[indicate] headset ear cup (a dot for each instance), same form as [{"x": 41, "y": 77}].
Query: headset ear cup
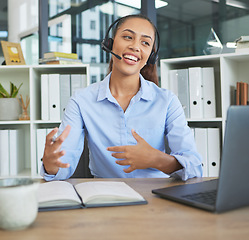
[
  {"x": 110, "y": 43},
  {"x": 107, "y": 44},
  {"x": 152, "y": 58}
]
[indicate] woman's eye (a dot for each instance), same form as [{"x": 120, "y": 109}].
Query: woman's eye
[
  {"x": 127, "y": 37},
  {"x": 146, "y": 43}
]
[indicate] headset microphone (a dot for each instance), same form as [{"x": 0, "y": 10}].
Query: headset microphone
[
  {"x": 107, "y": 44},
  {"x": 116, "y": 55}
]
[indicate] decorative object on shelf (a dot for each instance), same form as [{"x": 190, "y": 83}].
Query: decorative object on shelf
[
  {"x": 12, "y": 53},
  {"x": 213, "y": 44},
  {"x": 24, "y": 115},
  {"x": 9, "y": 105}
]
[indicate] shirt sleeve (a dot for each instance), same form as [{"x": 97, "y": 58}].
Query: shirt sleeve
[
  {"x": 181, "y": 142},
  {"x": 73, "y": 144}
]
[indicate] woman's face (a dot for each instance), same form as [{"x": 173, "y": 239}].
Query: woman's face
[{"x": 133, "y": 42}]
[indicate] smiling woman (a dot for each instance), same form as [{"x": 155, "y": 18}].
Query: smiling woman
[
  {"x": 125, "y": 118},
  {"x": 149, "y": 71}
]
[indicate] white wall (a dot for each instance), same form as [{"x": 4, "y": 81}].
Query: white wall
[{"x": 22, "y": 17}]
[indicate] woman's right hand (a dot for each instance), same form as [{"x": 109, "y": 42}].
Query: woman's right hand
[{"x": 51, "y": 157}]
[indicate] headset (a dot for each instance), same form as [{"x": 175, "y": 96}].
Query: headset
[{"x": 107, "y": 44}]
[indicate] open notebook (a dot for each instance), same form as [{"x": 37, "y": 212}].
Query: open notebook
[
  {"x": 231, "y": 190},
  {"x": 60, "y": 195}
]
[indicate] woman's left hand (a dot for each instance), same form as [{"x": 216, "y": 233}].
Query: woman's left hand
[{"x": 139, "y": 156}]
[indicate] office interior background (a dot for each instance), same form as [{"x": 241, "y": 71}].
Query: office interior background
[{"x": 80, "y": 25}]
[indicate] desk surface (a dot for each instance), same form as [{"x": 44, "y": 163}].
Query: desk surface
[{"x": 159, "y": 219}]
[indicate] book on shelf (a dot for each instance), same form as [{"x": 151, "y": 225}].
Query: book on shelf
[
  {"x": 61, "y": 54},
  {"x": 242, "y": 39},
  {"x": 59, "y": 60},
  {"x": 241, "y": 93},
  {"x": 242, "y": 50},
  {"x": 242, "y": 44},
  {"x": 61, "y": 195}
]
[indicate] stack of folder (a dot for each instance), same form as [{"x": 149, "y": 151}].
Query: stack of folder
[
  {"x": 11, "y": 152},
  {"x": 56, "y": 90},
  {"x": 208, "y": 145},
  {"x": 195, "y": 88}
]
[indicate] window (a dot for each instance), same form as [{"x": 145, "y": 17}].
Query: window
[
  {"x": 93, "y": 59},
  {"x": 184, "y": 26},
  {"x": 92, "y": 25},
  {"x": 93, "y": 79}
]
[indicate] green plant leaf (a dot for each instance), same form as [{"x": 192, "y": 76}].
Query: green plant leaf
[
  {"x": 3, "y": 92},
  {"x": 14, "y": 90}
]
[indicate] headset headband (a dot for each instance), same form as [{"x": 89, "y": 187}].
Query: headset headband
[{"x": 107, "y": 42}]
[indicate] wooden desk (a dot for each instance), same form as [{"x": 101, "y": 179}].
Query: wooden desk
[{"x": 159, "y": 219}]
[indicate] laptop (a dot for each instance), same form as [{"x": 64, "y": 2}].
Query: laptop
[{"x": 231, "y": 189}]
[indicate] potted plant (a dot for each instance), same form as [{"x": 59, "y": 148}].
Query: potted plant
[{"x": 9, "y": 105}]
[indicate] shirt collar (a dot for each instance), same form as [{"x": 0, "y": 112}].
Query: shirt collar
[{"x": 105, "y": 93}]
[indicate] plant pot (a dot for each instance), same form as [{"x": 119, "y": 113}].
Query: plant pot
[{"x": 10, "y": 109}]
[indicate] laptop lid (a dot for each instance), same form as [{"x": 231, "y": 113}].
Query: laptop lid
[{"x": 232, "y": 186}]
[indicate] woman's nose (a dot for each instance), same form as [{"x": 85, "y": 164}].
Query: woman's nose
[{"x": 135, "y": 46}]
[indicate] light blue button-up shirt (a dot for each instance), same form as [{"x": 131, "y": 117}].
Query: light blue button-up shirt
[{"x": 154, "y": 113}]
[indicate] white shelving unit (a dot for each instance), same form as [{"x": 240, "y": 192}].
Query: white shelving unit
[
  {"x": 30, "y": 76},
  {"x": 229, "y": 69}
]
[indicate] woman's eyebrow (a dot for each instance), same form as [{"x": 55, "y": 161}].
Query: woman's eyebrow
[{"x": 131, "y": 31}]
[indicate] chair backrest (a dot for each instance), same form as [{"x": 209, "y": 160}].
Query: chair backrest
[{"x": 82, "y": 170}]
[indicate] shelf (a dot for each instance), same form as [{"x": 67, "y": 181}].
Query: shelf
[
  {"x": 30, "y": 75},
  {"x": 229, "y": 69},
  {"x": 17, "y": 122},
  {"x": 45, "y": 122},
  {"x": 204, "y": 120}
]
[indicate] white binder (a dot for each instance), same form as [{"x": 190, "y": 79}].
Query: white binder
[
  {"x": 4, "y": 153},
  {"x": 213, "y": 151},
  {"x": 64, "y": 92},
  {"x": 54, "y": 96},
  {"x": 76, "y": 82},
  {"x": 40, "y": 145},
  {"x": 209, "y": 103},
  {"x": 183, "y": 90},
  {"x": 201, "y": 145},
  {"x": 44, "y": 97},
  {"x": 173, "y": 81},
  {"x": 14, "y": 150},
  {"x": 195, "y": 92}
]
